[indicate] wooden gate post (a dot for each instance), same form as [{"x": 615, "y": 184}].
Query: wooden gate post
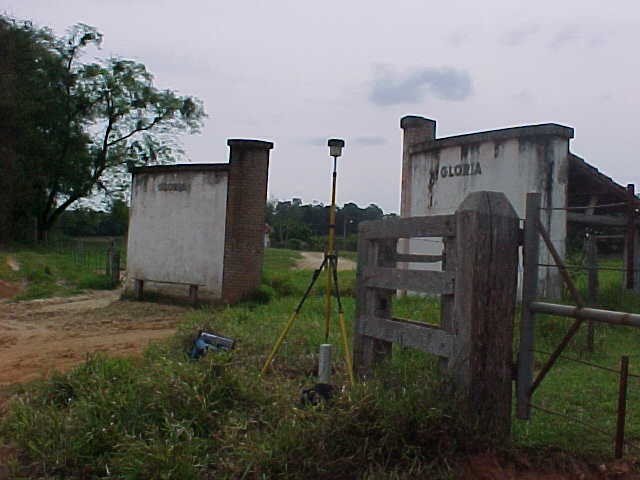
[
  {"x": 368, "y": 351},
  {"x": 481, "y": 364}
]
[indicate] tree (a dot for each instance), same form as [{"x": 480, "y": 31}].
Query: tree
[
  {"x": 32, "y": 112},
  {"x": 108, "y": 114}
]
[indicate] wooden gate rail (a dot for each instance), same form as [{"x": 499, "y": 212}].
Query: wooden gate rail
[{"x": 477, "y": 289}]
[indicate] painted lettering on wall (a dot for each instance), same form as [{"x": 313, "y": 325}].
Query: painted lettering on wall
[
  {"x": 173, "y": 187},
  {"x": 461, "y": 170}
]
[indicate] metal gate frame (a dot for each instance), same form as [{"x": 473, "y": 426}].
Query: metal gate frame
[{"x": 526, "y": 382}]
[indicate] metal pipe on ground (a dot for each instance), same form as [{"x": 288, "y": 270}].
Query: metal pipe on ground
[{"x": 585, "y": 313}]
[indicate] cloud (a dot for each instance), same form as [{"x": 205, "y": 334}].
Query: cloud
[
  {"x": 578, "y": 36},
  {"x": 525, "y": 97},
  {"x": 369, "y": 141},
  {"x": 458, "y": 38},
  {"x": 518, "y": 36},
  {"x": 446, "y": 83}
]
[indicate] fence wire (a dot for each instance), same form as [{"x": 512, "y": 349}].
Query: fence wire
[{"x": 587, "y": 425}]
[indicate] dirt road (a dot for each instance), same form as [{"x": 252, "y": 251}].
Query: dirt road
[
  {"x": 40, "y": 336},
  {"x": 312, "y": 260}
]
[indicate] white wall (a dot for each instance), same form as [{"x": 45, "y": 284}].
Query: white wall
[
  {"x": 513, "y": 166},
  {"x": 177, "y": 230}
]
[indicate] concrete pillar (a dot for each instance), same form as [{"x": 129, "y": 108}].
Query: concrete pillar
[
  {"x": 414, "y": 130},
  {"x": 245, "y": 220}
]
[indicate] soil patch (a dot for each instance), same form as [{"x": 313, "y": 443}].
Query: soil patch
[
  {"x": 41, "y": 336},
  {"x": 312, "y": 260},
  {"x": 488, "y": 467},
  {"x": 8, "y": 289}
]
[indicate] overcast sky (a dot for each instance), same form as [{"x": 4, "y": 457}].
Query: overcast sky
[{"x": 297, "y": 72}]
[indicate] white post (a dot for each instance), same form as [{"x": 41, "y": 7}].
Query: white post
[{"x": 324, "y": 364}]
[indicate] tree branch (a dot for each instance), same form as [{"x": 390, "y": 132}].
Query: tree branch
[{"x": 141, "y": 129}]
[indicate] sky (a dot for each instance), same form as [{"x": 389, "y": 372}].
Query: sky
[{"x": 296, "y": 73}]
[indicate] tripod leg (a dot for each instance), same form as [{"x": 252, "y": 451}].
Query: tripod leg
[
  {"x": 292, "y": 318},
  {"x": 343, "y": 326}
]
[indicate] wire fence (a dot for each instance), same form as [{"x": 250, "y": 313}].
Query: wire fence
[
  {"x": 620, "y": 440},
  {"x": 102, "y": 256},
  {"x": 586, "y": 408}
]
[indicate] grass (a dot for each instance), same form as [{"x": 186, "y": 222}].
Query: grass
[
  {"x": 164, "y": 416},
  {"x": 48, "y": 272}
]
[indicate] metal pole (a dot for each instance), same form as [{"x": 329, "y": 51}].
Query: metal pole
[
  {"x": 330, "y": 253},
  {"x": 595, "y": 314},
  {"x": 631, "y": 231},
  {"x": 592, "y": 264},
  {"x": 622, "y": 406},
  {"x": 530, "y": 255}
]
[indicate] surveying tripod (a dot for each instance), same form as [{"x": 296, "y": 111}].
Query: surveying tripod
[{"x": 330, "y": 265}]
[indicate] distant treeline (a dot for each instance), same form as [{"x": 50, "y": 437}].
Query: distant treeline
[
  {"x": 85, "y": 222},
  {"x": 293, "y": 224},
  {"x": 305, "y": 226}
]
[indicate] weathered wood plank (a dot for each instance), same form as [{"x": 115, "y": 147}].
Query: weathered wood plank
[
  {"x": 424, "y": 337},
  {"x": 484, "y": 308},
  {"x": 415, "y": 258},
  {"x": 413, "y": 227},
  {"x": 423, "y": 281},
  {"x": 367, "y": 351}
]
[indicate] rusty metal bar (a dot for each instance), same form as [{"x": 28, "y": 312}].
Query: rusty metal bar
[
  {"x": 575, "y": 326},
  {"x": 622, "y": 406},
  {"x": 586, "y": 313},
  {"x": 576, "y": 296},
  {"x": 560, "y": 263}
]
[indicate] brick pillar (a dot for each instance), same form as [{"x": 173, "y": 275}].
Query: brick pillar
[{"x": 245, "y": 221}]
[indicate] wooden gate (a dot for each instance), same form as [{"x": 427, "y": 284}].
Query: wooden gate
[{"x": 477, "y": 286}]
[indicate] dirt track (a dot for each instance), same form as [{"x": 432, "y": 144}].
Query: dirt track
[
  {"x": 40, "y": 336},
  {"x": 312, "y": 260}
]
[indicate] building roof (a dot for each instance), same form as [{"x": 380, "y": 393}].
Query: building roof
[
  {"x": 181, "y": 167},
  {"x": 525, "y": 131},
  {"x": 586, "y": 181}
]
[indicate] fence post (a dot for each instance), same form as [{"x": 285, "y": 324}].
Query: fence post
[
  {"x": 368, "y": 351},
  {"x": 630, "y": 238},
  {"x": 481, "y": 364},
  {"x": 622, "y": 407},
  {"x": 591, "y": 259},
  {"x": 114, "y": 267},
  {"x": 530, "y": 259}
]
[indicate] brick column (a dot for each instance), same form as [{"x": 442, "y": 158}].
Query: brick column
[{"x": 245, "y": 220}]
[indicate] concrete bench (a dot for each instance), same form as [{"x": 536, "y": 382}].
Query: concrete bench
[{"x": 193, "y": 288}]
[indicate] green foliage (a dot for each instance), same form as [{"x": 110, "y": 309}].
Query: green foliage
[
  {"x": 85, "y": 222},
  {"x": 152, "y": 419},
  {"x": 80, "y": 124},
  {"x": 48, "y": 271},
  {"x": 165, "y": 417},
  {"x": 304, "y": 227}
]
